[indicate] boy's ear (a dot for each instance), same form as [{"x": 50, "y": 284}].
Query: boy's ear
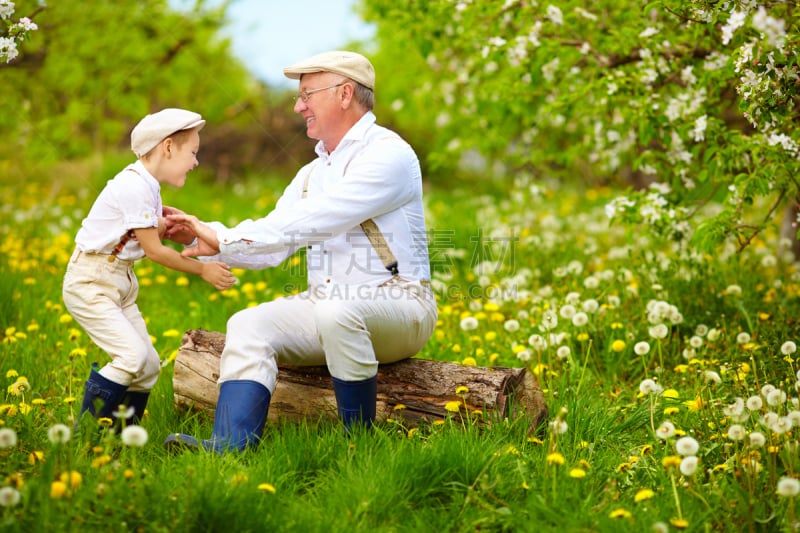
[{"x": 166, "y": 147}]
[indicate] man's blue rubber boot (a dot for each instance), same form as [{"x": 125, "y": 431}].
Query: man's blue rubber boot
[
  {"x": 239, "y": 419},
  {"x": 356, "y": 401}
]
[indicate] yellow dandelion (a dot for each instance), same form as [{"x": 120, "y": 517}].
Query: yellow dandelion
[
  {"x": 535, "y": 440},
  {"x": 623, "y": 467},
  {"x": 101, "y": 461},
  {"x": 77, "y": 352},
  {"x": 582, "y": 445},
  {"x": 577, "y": 473},
  {"x": 618, "y": 345},
  {"x": 412, "y": 432},
  {"x": 438, "y": 422},
  {"x": 671, "y": 460},
  {"x": 493, "y": 358},
  {"x": 469, "y": 361},
  {"x": 491, "y": 306},
  {"x": 399, "y": 407},
  {"x": 12, "y": 373},
  {"x": 39, "y": 401},
  {"x": 170, "y": 333},
  {"x": 462, "y": 390},
  {"x": 24, "y": 408},
  {"x": 490, "y": 335},
  {"x": 239, "y": 478},
  {"x": 439, "y": 335},
  {"x": 182, "y": 281},
  {"x": 453, "y": 406},
  {"x": 671, "y": 411},
  {"x": 555, "y": 458},
  {"x": 19, "y": 387},
  {"x": 647, "y": 448},
  {"x": 456, "y": 348},
  {"x": 694, "y": 405},
  {"x": 58, "y": 489},
  {"x": 583, "y": 463},
  {"x": 128, "y": 474},
  {"x": 73, "y": 479},
  {"x": 619, "y": 513},
  {"x": 266, "y": 487},
  {"x": 74, "y": 334},
  {"x": 583, "y": 337},
  {"x": 8, "y": 409},
  {"x": 65, "y": 318},
  {"x": 643, "y": 494},
  {"x": 679, "y": 523},
  {"x": 69, "y": 399},
  {"x": 525, "y": 485},
  {"x": 672, "y": 394}
]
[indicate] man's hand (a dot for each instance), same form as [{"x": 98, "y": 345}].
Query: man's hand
[{"x": 176, "y": 232}]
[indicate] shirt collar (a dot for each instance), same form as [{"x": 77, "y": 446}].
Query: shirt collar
[
  {"x": 354, "y": 134},
  {"x": 151, "y": 181}
]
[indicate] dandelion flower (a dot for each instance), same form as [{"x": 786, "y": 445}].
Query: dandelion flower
[
  {"x": 711, "y": 377},
  {"x": 537, "y": 342},
  {"x": 743, "y": 338},
  {"x": 453, "y": 406},
  {"x": 619, "y": 513},
  {"x": 689, "y": 465},
  {"x": 73, "y": 479},
  {"x": 618, "y": 345},
  {"x": 135, "y": 436},
  {"x": 776, "y": 397},
  {"x": 567, "y": 312},
  {"x": 563, "y": 352},
  {"x": 788, "y": 487},
  {"x": 687, "y": 446},
  {"x": 559, "y": 426},
  {"x": 123, "y": 412},
  {"x": 679, "y": 523},
  {"x": 9, "y": 497},
  {"x": 665, "y": 430},
  {"x": 8, "y": 438},
  {"x": 549, "y": 320},
  {"x": 511, "y": 326},
  {"x": 788, "y": 348},
  {"x": 266, "y": 487},
  {"x": 577, "y": 473},
  {"x": 696, "y": 342},
  {"x": 734, "y": 409},
  {"x": 19, "y": 387},
  {"x": 659, "y": 331},
  {"x": 555, "y": 458},
  {"x": 671, "y": 460},
  {"x": 58, "y": 489},
  {"x": 643, "y": 494},
  {"x": 59, "y": 434}
]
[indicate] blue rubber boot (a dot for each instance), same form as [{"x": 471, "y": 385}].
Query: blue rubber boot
[
  {"x": 356, "y": 401},
  {"x": 239, "y": 419},
  {"x": 102, "y": 396},
  {"x": 137, "y": 400}
]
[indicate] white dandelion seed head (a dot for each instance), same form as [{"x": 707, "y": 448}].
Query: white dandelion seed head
[
  {"x": 9, "y": 496},
  {"x": 794, "y": 416},
  {"x": 537, "y": 342},
  {"x": 687, "y": 446},
  {"x": 549, "y": 319},
  {"x": 659, "y": 331},
  {"x": 134, "y": 436},
  {"x": 736, "y": 432},
  {"x": 696, "y": 341},
  {"x": 665, "y": 430},
  {"x": 689, "y": 465},
  {"x": 754, "y": 403},
  {"x": 59, "y": 434},
  {"x": 736, "y": 408},
  {"x": 733, "y": 290},
  {"x": 757, "y": 439},
  {"x": 712, "y": 377},
  {"x": 768, "y": 419},
  {"x": 469, "y": 323},
  {"x": 641, "y": 348},
  {"x": 580, "y": 319},
  {"x": 781, "y": 425},
  {"x": 123, "y": 412},
  {"x": 563, "y": 352},
  {"x": 788, "y": 348},
  {"x": 701, "y": 330},
  {"x": 590, "y": 306},
  {"x": 743, "y": 338},
  {"x": 567, "y": 311},
  {"x": 776, "y": 397},
  {"x": 688, "y": 353},
  {"x": 788, "y": 487},
  {"x": 649, "y": 386},
  {"x": 511, "y": 326},
  {"x": 524, "y": 356},
  {"x": 559, "y": 426},
  {"x": 713, "y": 335},
  {"x": 766, "y": 389},
  {"x": 572, "y": 298},
  {"x": 8, "y": 438}
]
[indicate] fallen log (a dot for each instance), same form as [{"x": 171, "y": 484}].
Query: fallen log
[{"x": 410, "y": 391}]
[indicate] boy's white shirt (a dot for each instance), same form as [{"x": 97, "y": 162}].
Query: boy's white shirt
[{"x": 130, "y": 200}]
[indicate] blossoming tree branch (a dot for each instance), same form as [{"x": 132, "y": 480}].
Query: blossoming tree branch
[{"x": 691, "y": 106}]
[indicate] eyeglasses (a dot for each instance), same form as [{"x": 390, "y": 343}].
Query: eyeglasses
[{"x": 305, "y": 95}]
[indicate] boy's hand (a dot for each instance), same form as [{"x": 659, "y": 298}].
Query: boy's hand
[
  {"x": 218, "y": 274},
  {"x": 207, "y": 237}
]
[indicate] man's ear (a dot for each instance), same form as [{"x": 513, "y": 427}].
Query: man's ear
[{"x": 348, "y": 91}]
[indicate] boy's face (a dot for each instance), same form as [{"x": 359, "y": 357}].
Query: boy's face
[{"x": 182, "y": 159}]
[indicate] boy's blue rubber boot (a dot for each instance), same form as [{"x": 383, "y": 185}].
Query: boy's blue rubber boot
[
  {"x": 356, "y": 401},
  {"x": 102, "y": 396},
  {"x": 137, "y": 400},
  {"x": 239, "y": 420}
]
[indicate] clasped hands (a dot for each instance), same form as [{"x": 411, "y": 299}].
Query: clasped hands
[{"x": 183, "y": 228}]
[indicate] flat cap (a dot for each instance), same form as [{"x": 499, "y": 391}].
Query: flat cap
[
  {"x": 156, "y": 127},
  {"x": 350, "y": 64}
]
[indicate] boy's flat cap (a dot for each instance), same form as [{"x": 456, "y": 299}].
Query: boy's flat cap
[
  {"x": 350, "y": 64},
  {"x": 156, "y": 127}
]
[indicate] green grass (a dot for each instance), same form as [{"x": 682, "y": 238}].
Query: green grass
[{"x": 502, "y": 264}]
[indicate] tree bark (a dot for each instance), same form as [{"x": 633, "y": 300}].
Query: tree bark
[{"x": 411, "y": 391}]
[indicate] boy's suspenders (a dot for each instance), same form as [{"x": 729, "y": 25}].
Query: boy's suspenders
[{"x": 369, "y": 228}]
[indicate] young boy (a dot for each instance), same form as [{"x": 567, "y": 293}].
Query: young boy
[{"x": 125, "y": 224}]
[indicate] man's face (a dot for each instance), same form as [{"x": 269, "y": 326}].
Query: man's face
[{"x": 319, "y": 108}]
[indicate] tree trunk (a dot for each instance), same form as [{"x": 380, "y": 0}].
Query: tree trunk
[{"x": 410, "y": 391}]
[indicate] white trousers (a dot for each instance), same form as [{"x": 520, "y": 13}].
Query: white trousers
[
  {"x": 101, "y": 296},
  {"x": 348, "y": 328}
]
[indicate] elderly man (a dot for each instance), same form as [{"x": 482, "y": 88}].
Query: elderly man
[{"x": 357, "y": 209}]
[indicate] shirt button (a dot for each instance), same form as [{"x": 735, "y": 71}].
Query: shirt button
[{"x": 328, "y": 280}]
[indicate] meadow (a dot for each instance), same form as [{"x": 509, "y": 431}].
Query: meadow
[{"x": 671, "y": 378}]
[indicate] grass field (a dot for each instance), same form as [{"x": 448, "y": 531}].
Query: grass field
[{"x": 671, "y": 378}]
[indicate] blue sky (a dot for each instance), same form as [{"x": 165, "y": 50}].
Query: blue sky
[{"x": 268, "y": 35}]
